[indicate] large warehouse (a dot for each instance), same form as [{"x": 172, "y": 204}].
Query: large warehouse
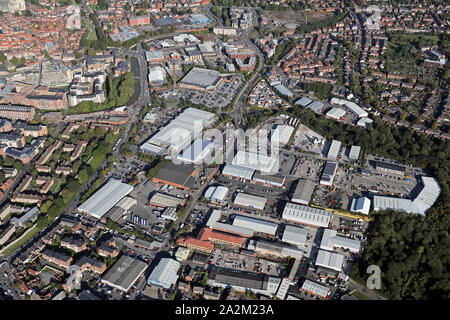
[
  {"x": 181, "y": 176},
  {"x": 333, "y": 151},
  {"x": 257, "y": 225},
  {"x": 216, "y": 194},
  {"x": 306, "y": 215},
  {"x": 330, "y": 260},
  {"x": 328, "y": 173},
  {"x": 201, "y": 79},
  {"x": 361, "y": 205},
  {"x": 238, "y": 172},
  {"x": 266, "y": 164},
  {"x": 331, "y": 240},
  {"x": 213, "y": 223},
  {"x": 166, "y": 200},
  {"x": 420, "y": 205},
  {"x": 354, "y": 152},
  {"x": 251, "y": 201},
  {"x": 165, "y": 274},
  {"x": 303, "y": 192},
  {"x": 295, "y": 235},
  {"x": 105, "y": 198},
  {"x": 179, "y": 133},
  {"x": 274, "y": 249},
  {"x": 353, "y": 107},
  {"x": 196, "y": 152},
  {"x": 124, "y": 273},
  {"x": 283, "y": 133},
  {"x": 243, "y": 281},
  {"x": 276, "y": 180}
]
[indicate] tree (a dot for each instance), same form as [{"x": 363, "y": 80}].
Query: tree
[
  {"x": 90, "y": 52},
  {"x": 435, "y": 125},
  {"x": 14, "y": 61},
  {"x": 18, "y": 165}
]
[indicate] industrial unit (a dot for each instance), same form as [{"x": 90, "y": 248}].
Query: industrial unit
[
  {"x": 306, "y": 215},
  {"x": 105, "y": 198}
]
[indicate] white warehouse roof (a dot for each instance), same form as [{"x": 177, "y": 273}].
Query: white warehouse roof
[
  {"x": 105, "y": 198},
  {"x": 306, "y": 215},
  {"x": 249, "y": 200},
  {"x": 165, "y": 273},
  {"x": 331, "y": 240},
  {"x": 283, "y": 133},
  {"x": 217, "y": 194},
  {"x": 304, "y": 101},
  {"x": 331, "y": 260},
  {"x": 361, "y": 205},
  {"x": 315, "y": 288},
  {"x": 353, "y": 107},
  {"x": 335, "y": 113},
  {"x": 196, "y": 151},
  {"x": 257, "y": 225},
  {"x": 354, "y": 152},
  {"x": 295, "y": 235},
  {"x": 256, "y": 161},
  {"x": 428, "y": 195},
  {"x": 182, "y": 130},
  {"x": 420, "y": 205},
  {"x": 238, "y": 171},
  {"x": 334, "y": 149},
  {"x": 213, "y": 223}
]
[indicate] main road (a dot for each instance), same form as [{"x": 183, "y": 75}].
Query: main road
[{"x": 237, "y": 112}]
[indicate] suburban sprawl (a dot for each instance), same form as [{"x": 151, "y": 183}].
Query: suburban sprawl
[{"x": 224, "y": 149}]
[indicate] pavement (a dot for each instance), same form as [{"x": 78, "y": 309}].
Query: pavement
[{"x": 364, "y": 290}]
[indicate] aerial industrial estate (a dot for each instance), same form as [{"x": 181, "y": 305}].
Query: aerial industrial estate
[{"x": 224, "y": 150}]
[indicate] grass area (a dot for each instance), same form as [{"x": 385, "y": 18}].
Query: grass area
[
  {"x": 91, "y": 36},
  {"x": 358, "y": 295},
  {"x": 22, "y": 240}
]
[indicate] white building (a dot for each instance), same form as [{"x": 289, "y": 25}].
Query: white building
[
  {"x": 238, "y": 172},
  {"x": 420, "y": 205},
  {"x": 283, "y": 133},
  {"x": 331, "y": 240},
  {"x": 251, "y": 201},
  {"x": 105, "y": 198},
  {"x": 351, "y": 106},
  {"x": 165, "y": 273},
  {"x": 216, "y": 194},
  {"x": 265, "y": 164},
  {"x": 333, "y": 151},
  {"x": 330, "y": 260},
  {"x": 328, "y": 174},
  {"x": 335, "y": 113},
  {"x": 196, "y": 152},
  {"x": 179, "y": 133},
  {"x": 354, "y": 152},
  {"x": 315, "y": 289},
  {"x": 257, "y": 225},
  {"x": 306, "y": 215},
  {"x": 361, "y": 205},
  {"x": 295, "y": 235}
]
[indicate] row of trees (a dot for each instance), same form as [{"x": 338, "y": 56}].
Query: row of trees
[{"x": 100, "y": 144}]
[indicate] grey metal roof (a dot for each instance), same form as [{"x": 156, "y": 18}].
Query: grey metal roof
[
  {"x": 124, "y": 273},
  {"x": 105, "y": 198},
  {"x": 306, "y": 215},
  {"x": 303, "y": 191}
]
